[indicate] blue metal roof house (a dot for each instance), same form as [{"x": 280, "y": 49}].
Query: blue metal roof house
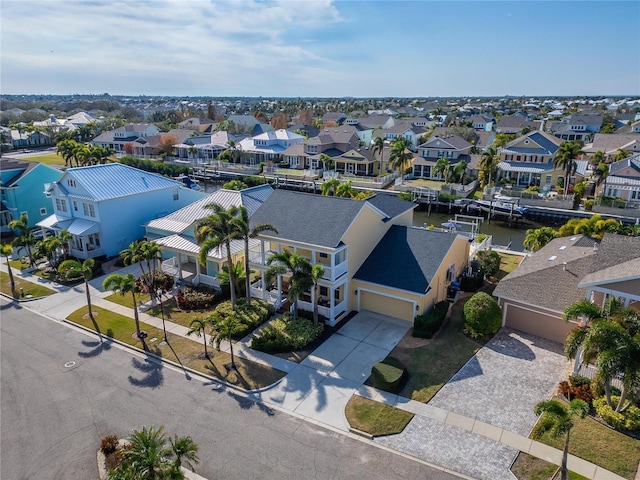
[
  {"x": 22, "y": 190},
  {"x": 105, "y": 207}
]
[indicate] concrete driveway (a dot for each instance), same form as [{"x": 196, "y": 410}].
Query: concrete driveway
[
  {"x": 322, "y": 384},
  {"x": 500, "y": 385}
]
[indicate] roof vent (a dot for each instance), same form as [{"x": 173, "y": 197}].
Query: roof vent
[
  {"x": 573, "y": 239},
  {"x": 552, "y": 257},
  {"x": 595, "y": 246},
  {"x": 562, "y": 247}
]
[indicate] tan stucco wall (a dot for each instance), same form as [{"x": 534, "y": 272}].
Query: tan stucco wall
[
  {"x": 387, "y": 306},
  {"x": 537, "y": 321}
]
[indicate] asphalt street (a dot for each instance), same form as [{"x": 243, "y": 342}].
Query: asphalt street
[{"x": 61, "y": 391}]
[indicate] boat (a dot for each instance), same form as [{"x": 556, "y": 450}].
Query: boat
[
  {"x": 189, "y": 182},
  {"x": 500, "y": 205}
]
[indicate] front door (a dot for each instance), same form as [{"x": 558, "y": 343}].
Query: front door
[{"x": 349, "y": 168}]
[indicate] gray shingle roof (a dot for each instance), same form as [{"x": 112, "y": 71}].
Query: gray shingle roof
[
  {"x": 390, "y": 205},
  {"x": 615, "y": 250},
  {"x": 406, "y": 258}
]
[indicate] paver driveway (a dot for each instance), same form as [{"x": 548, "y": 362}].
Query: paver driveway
[{"x": 500, "y": 385}]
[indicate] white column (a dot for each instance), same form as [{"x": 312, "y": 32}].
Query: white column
[
  {"x": 278, "y": 301},
  {"x": 180, "y": 267},
  {"x": 198, "y": 268},
  {"x": 313, "y": 257},
  {"x": 264, "y": 260},
  {"x": 264, "y": 286}
]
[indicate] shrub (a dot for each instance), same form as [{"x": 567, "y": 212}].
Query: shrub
[
  {"x": 627, "y": 420},
  {"x": 109, "y": 444},
  {"x": 489, "y": 262},
  {"x": 427, "y": 324},
  {"x": 389, "y": 375},
  {"x": 253, "y": 180},
  {"x": 482, "y": 316},
  {"x": 196, "y": 298},
  {"x": 285, "y": 334},
  {"x": 560, "y": 190},
  {"x": 159, "y": 279},
  {"x": 576, "y": 392},
  {"x": 447, "y": 197},
  {"x": 251, "y": 316},
  {"x": 481, "y": 237}
]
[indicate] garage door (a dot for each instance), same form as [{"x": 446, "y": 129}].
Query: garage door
[
  {"x": 537, "y": 323},
  {"x": 392, "y": 307}
]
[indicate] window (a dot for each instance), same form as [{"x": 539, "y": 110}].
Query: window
[
  {"x": 324, "y": 291},
  {"x": 88, "y": 209},
  {"x": 75, "y": 206},
  {"x": 43, "y": 211},
  {"x": 61, "y": 205},
  {"x": 71, "y": 182},
  {"x": 323, "y": 255},
  {"x": 176, "y": 196}
]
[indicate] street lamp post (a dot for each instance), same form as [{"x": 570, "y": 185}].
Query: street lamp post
[{"x": 159, "y": 292}]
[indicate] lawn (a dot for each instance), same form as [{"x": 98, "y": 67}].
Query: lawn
[
  {"x": 527, "y": 467},
  {"x": 19, "y": 265},
  {"x": 29, "y": 288},
  {"x": 508, "y": 264},
  {"x": 49, "y": 159},
  {"x": 375, "y": 418},
  {"x": 601, "y": 445},
  {"x": 249, "y": 375},
  {"x": 431, "y": 363}
]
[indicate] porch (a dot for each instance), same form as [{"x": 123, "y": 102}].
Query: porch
[
  {"x": 331, "y": 272},
  {"x": 188, "y": 272}
]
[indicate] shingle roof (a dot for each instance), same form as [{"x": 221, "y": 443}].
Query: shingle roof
[
  {"x": 455, "y": 141},
  {"x": 406, "y": 258},
  {"x": 548, "y": 143},
  {"x": 611, "y": 142},
  {"x": 615, "y": 250},
  {"x": 632, "y": 162},
  {"x": 317, "y": 219},
  {"x": 20, "y": 166},
  {"x": 114, "y": 180}
]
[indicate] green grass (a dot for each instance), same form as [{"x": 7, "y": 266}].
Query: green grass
[
  {"x": 431, "y": 363},
  {"x": 599, "y": 444},
  {"x": 33, "y": 289},
  {"x": 508, "y": 264},
  {"x": 49, "y": 159},
  {"x": 18, "y": 265},
  {"x": 527, "y": 467},
  {"x": 190, "y": 353},
  {"x": 375, "y": 418}
]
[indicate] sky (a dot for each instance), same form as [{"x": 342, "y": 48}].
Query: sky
[{"x": 323, "y": 48}]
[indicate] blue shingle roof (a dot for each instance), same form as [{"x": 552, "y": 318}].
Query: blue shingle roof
[{"x": 114, "y": 180}]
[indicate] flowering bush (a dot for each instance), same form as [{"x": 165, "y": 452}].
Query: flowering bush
[
  {"x": 626, "y": 420},
  {"x": 285, "y": 334}
]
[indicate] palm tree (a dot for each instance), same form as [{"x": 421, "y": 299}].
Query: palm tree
[
  {"x": 458, "y": 171},
  {"x": 488, "y": 166},
  {"x": 441, "y": 168},
  {"x": 232, "y": 148},
  {"x": 536, "y": 238},
  {"x": 299, "y": 269},
  {"x": 329, "y": 187},
  {"x": 218, "y": 229},
  {"x": 317, "y": 272},
  {"x": 598, "y": 157},
  {"x": 24, "y": 237},
  {"x": 558, "y": 421},
  {"x": 378, "y": 147},
  {"x": 65, "y": 148},
  {"x": 565, "y": 159},
  {"x": 65, "y": 237},
  {"x": 7, "y": 250},
  {"x": 621, "y": 154},
  {"x": 197, "y": 327},
  {"x": 582, "y": 309},
  {"x": 601, "y": 173},
  {"x": 245, "y": 232},
  {"x": 345, "y": 190},
  {"x": 48, "y": 248},
  {"x": 124, "y": 284},
  {"x": 225, "y": 324},
  {"x": 71, "y": 269},
  {"x": 238, "y": 276},
  {"x": 327, "y": 161},
  {"x": 148, "y": 455},
  {"x": 184, "y": 448},
  {"x": 400, "y": 156}
]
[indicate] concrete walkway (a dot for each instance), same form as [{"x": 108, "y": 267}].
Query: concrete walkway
[{"x": 319, "y": 388}]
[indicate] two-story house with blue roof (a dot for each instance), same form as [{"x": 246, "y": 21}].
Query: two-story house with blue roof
[
  {"x": 528, "y": 160},
  {"x": 104, "y": 207},
  {"x": 175, "y": 233},
  {"x": 22, "y": 190}
]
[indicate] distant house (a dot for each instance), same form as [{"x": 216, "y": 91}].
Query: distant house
[
  {"x": 118, "y": 138},
  {"x": 200, "y": 125},
  {"x": 482, "y": 122},
  {"x": 22, "y": 190},
  {"x": 331, "y": 141},
  {"x": 402, "y": 130},
  {"x": 534, "y": 296},
  {"x": 202, "y": 148},
  {"x": 21, "y": 138},
  {"x": 105, "y": 206},
  {"x": 576, "y": 127},
  {"x": 612, "y": 143},
  {"x": 337, "y": 117},
  {"x": 248, "y": 124},
  {"x": 359, "y": 162},
  {"x": 623, "y": 180},
  {"x": 373, "y": 258},
  {"x": 516, "y": 123},
  {"x": 451, "y": 147},
  {"x": 175, "y": 233},
  {"x": 269, "y": 145}
]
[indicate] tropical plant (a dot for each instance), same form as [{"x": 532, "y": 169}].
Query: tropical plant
[
  {"x": 579, "y": 190},
  {"x": 65, "y": 237},
  {"x": 6, "y": 251},
  {"x": 441, "y": 168},
  {"x": 558, "y": 420},
  {"x": 24, "y": 237},
  {"x": 184, "y": 448},
  {"x": 147, "y": 457},
  {"x": 238, "y": 276},
  {"x": 600, "y": 175},
  {"x": 72, "y": 269},
  {"x": 345, "y": 190},
  {"x": 219, "y": 228},
  {"x": 565, "y": 159},
  {"x": 621, "y": 154},
  {"x": 245, "y": 232},
  {"x": 124, "y": 284},
  {"x": 48, "y": 248},
  {"x": 458, "y": 171},
  {"x": 299, "y": 270},
  {"x": 378, "y": 147},
  {"x": 330, "y": 186},
  {"x": 536, "y": 238},
  {"x": 327, "y": 162},
  {"x": 225, "y": 324},
  {"x": 317, "y": 272},
  {"x": 197, "y": 327},
  {"x": 399, "y": 155},
  {"x": 582, "y": 309}
]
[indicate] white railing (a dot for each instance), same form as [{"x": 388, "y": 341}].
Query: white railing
[
  {"x": 170, "y": 266},
  {"x": 331, "y": 273},
  {"x": 324, "y": 310},
  {"x": 256, "y": 257},
  {"x": 207, "y": 280}
]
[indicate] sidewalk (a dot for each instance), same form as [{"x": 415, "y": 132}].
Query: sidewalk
[{"x": 318, "y": 388}]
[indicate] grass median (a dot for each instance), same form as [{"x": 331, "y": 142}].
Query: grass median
[
  {"x": 190, "y": 353},
  {"x": 30, "y": 290},
  {"x": 375, "y": 418}
]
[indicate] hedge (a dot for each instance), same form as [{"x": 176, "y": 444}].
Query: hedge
[
  {"x": 621, "y": 421},
  {"x": 389, "y": 375},
  {"x": 426, "y": 325},
  {"x": 285, "y": 334},
  {"x": 482, "y": 315},
  {"x": 251, "y": 316}
]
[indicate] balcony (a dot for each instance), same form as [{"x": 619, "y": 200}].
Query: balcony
[{"x": 324, "y": 308}]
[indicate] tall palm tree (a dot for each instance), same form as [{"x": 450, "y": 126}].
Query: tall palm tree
[
  {"x": 441, "y": 168},
  {"x": 218, "y": 229},
  {"x": 329, "y": 187},
  {"x": 558, "y": 421},
  {"x": 299, "y": 270},
  {"x": 7, "y": 250},
  {"x": 536, "y": 238},
  {"x": 565, "y": 159},
  {"x": 24, "y": 237},
  {"x": 327, "y": 161},
  {"x": 225, "y": 324},
  {"x": 458, "y": 171},
  {"x": 65, "y": 148},
  {"x": 600, "y": 175},
  {"x": 598, "y": 157},
  {"x": 317, "y": 272},
  {"x": 400, "y": 156},
  {"x": 238, "y": 276},
  {"x": 245, "y": 232},
  {"x": 184, "y": 448},
  {"x": 197, "y": 327},
  {"x": 488, "y": 166},
  {"x": 71, "y": 269},
  {"x": 124, "y": 284},
  {"x": 378, "y": 147},
  {"x": 621, "y": 154},
  {"x": 65, "y": 237}
]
